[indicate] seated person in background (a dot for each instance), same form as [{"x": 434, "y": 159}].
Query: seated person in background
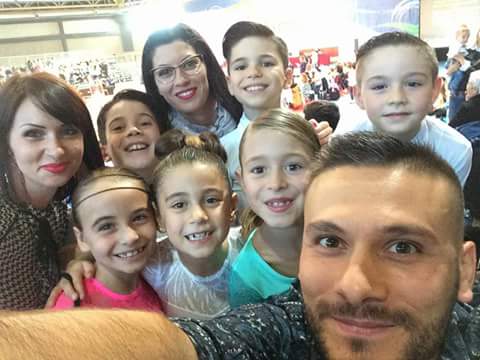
[
  {"x": 369, "y": 289},
  {"x": 456, "y": 82},
  {"x": 470, "y": 110},
  {"x": 114, "y": 220},
  {"x": 397, "y": 82},
  {"x": 323, "y": 110}
]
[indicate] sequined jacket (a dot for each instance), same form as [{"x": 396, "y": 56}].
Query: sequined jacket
[{"x": 277, "y": 330}]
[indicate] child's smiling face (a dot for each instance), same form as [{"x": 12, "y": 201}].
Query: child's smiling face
[
  {"x": 256, "y": 75},
  {"x": 131, "y": 133},
  {"x": 118, "y": 227},
  {"x": 396, "y": 89},
  {"x": 196, "y": 208}
]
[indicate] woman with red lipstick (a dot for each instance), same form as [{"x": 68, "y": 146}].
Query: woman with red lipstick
[
  {"x": 45, "y": 131},
  {"x": 181, "y": 72}
]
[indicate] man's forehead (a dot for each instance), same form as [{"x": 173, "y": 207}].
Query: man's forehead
[
  {"x": 381, "y": 196},
  {"x": 374, "y": 178}
]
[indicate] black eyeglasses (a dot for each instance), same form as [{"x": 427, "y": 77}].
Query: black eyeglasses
[{"x": 166, "y": 74}]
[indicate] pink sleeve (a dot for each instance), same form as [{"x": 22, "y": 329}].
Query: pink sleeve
[{"x": 63, "y": 302}]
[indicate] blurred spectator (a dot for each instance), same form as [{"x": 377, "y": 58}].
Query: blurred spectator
[
  {"x": 470, "y": 109},
  {"x": 322, "y": 110}
]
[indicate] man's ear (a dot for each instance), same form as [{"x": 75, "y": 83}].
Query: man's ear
[
  {"x": 106, "y": 156},
  {"x": 468, "y": 266},
  {"x": 83, "y": 246},
  {"x": 358, "y": 97}
]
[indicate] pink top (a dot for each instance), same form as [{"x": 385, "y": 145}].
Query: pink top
[{"x": 99, "y": 296}]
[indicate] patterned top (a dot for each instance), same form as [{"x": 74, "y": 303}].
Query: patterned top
[
  {"x": 29, "y": 241},
  {"x": 224, "y": 122},
  {"x": 277, "y": 330}
]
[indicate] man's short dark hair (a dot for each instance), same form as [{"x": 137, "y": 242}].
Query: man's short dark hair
[
  {"x": 372, "y": 149},
  {"x": 323, "y": 110}
]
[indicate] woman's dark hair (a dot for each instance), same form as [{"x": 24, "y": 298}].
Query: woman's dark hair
[
  {"x": 56, "y": 98},
  {"x": 161, "y": 117},
  {"x": 216, "y": 79}
]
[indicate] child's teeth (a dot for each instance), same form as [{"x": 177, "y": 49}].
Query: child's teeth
[
  {"x": 197, "y": 236},
  {"x": 130, "y": 253}
]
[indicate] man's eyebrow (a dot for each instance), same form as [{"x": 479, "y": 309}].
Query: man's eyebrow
[
  {"x": 323, "y": 226},
  {"x": 409, "y": 230}
]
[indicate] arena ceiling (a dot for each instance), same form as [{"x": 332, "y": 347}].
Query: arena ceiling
[{"x": 22, "y": 5}]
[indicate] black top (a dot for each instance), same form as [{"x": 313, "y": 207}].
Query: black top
[{"x": 469, "y": 111}]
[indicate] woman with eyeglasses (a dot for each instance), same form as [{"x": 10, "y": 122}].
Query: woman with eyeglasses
[
  {"x": 47, "y": 140},
  {"x": 181, "y": 72}
]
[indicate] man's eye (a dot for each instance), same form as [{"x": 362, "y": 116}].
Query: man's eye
[
  {"x": 328, "y": 242},
  {"x": 403, "y": 247}
]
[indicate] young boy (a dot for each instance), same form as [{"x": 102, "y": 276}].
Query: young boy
[
  {"x": 257, "y": 60},
  {"x": 397, "y": 82},
  {"x": 129, "y": 126}
]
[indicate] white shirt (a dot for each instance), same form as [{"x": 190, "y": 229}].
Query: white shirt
[{"x": 447, "y": 142}]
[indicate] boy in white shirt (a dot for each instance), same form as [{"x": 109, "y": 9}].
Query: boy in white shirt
[{"x": 397, "y": 83}]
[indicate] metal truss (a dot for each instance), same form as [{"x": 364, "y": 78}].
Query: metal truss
[{"x": 22, "y": 5}]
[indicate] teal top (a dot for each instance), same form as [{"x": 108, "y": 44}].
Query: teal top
[{"x": 252, "y": 279}]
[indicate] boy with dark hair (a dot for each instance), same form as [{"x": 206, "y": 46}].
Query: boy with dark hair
[{"x": 257, "y": 61}]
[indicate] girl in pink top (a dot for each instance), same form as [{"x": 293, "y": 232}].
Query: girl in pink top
[{"x": 114, "y": 221}]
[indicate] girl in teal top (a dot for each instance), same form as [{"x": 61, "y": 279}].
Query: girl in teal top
[{"x": 275, "y": 152}]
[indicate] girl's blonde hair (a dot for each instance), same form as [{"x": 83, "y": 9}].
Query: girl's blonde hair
[{"x": 285, "y": 122}]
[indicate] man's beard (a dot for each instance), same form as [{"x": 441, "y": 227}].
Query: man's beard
[{"x": 425, "y": 341}]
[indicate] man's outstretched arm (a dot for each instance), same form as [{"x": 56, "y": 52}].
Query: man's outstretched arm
[{"x": 92, "y": 334}]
